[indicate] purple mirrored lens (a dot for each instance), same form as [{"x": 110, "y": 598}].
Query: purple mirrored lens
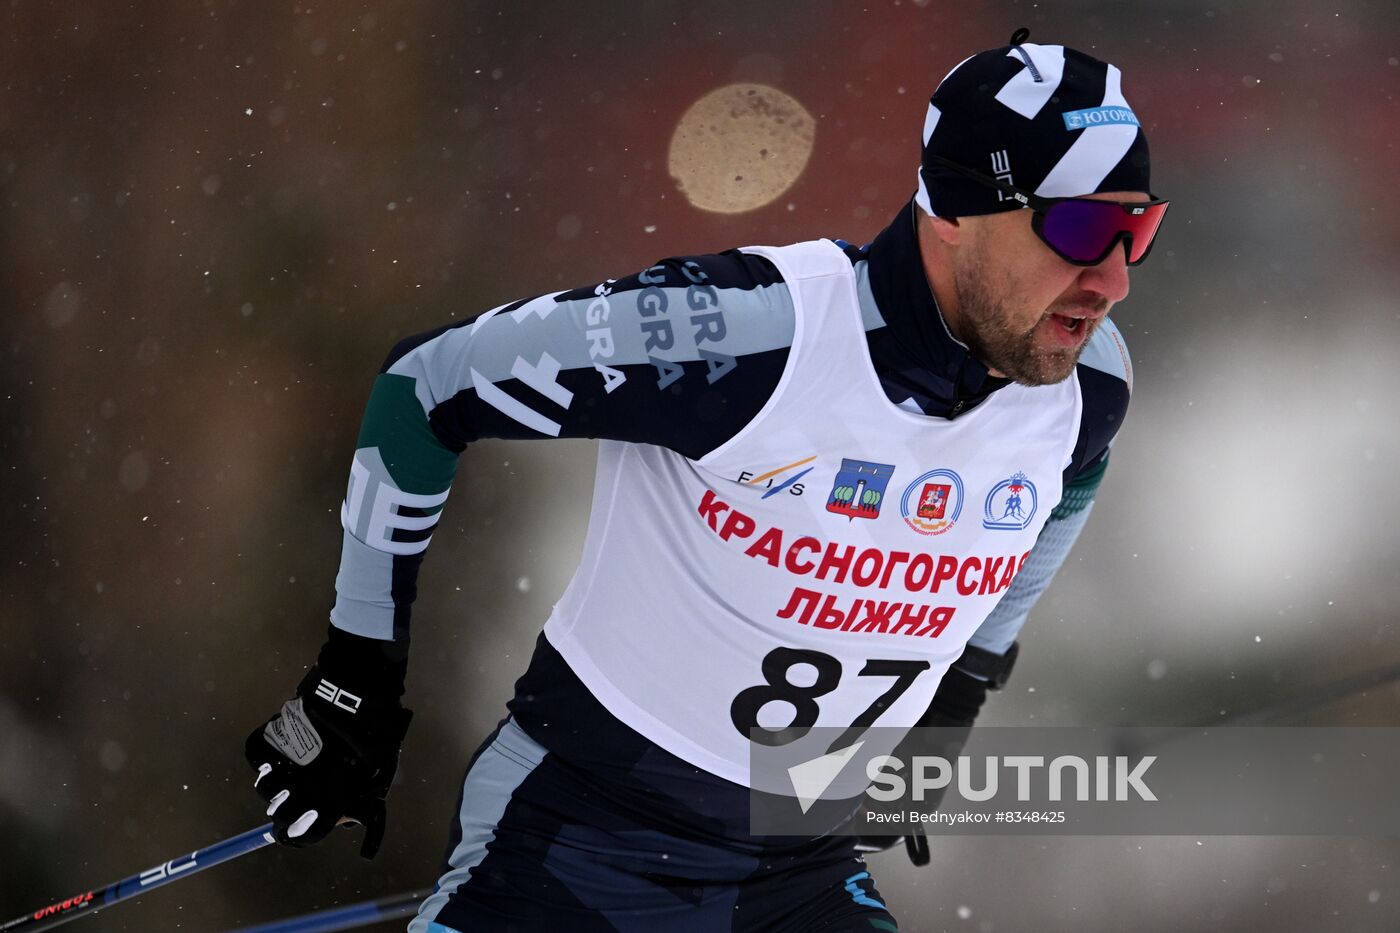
[{"x": 1082, "y": 230}]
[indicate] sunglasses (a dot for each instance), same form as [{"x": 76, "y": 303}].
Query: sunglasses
[{"x": 1081, "y": 231}]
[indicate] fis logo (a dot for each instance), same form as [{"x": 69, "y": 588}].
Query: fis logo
[
  {"x": 338, "y": 697},
  {"x": 790, "y": 484}
]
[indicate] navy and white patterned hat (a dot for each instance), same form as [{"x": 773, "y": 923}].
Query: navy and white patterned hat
[{"x": 1044, "y": 118}]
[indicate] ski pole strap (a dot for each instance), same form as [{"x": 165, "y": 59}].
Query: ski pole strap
[
  {"x": 182, "y": 866},
  {"x": 345, "y": 918}
]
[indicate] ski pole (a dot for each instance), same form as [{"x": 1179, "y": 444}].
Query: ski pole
[
  {"x": 90, "y": 902},
  {"x": 345, "y": 918},
  {"x": 1303, "y": 702}
]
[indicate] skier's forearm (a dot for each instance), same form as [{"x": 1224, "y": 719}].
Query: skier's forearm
[
  {"x": 399, "y": 480},
  {"x": 1057, "y": 538}
]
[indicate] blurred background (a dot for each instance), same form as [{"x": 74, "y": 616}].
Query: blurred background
[{"x": 219, "y": 216}]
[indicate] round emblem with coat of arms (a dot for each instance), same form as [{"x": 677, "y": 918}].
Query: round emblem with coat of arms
[{"x": 932, "y": 503}]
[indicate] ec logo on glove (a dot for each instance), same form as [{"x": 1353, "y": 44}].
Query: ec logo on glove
[{"x": 337, "y": 697}]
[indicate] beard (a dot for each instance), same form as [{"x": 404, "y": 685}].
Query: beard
[{"x": 993, "y": 337}]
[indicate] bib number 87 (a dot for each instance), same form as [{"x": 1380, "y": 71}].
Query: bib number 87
[{"x": 777, "y": 666}]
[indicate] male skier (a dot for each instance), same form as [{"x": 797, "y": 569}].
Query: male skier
[{"x": 761, "y": 557}]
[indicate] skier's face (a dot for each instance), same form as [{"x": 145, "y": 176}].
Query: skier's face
[{"x": 1021, "y": 309}]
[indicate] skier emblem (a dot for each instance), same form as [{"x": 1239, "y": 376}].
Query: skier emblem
[
  {"x": 1011, "y": 504},
  {"x": 858, "y": 488}
]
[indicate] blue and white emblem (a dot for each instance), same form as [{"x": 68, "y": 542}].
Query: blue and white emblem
[
  {"x": 1011, "y": 504},
  {"x": 1100, "y": 116}
]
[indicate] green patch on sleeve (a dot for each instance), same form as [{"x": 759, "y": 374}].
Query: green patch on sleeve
[
  {"x": 1081, "y": 491},
  {"x": 396, "y": 424}
]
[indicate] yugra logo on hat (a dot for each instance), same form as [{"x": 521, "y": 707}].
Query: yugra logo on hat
[{"x": 1045, "y": 118}]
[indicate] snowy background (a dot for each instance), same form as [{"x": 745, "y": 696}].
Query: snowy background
[{"x": 219, "y": 216}]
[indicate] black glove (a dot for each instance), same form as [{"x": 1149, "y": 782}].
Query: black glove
[
  {"x": 331, "y": 753},
  {"x": 954, "y": 709}
]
